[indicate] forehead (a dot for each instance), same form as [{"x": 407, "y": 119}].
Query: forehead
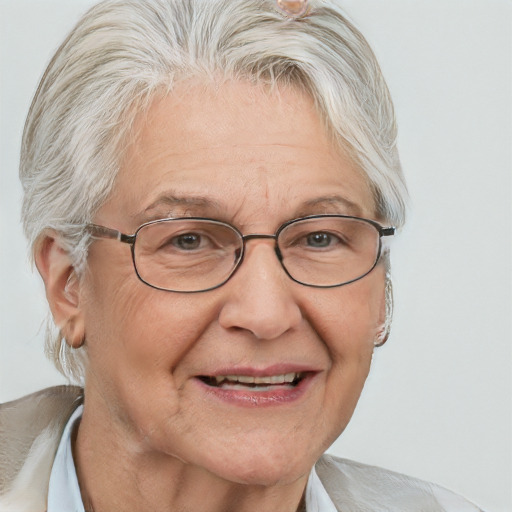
[{"x": 238, "y": 148}]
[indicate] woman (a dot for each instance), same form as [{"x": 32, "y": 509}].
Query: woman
[{"x": 245, "y": 151}]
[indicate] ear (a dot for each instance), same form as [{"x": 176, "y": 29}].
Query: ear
[
  {"x": 62, "y": 288},
  {"x": 385, "y": 313}
]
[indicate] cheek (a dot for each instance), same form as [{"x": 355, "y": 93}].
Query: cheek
[
  {"x": 125, "y": 315},
  {"x": 348, "y": 319},
  {"x": 145, "y": 328},
  {"x": 136, "y": 346},
  {"x": 350, "y": 322},
  {"x": 136, "y": 336}
]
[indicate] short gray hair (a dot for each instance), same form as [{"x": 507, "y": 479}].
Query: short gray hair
[{"x": 124, "y": 52}]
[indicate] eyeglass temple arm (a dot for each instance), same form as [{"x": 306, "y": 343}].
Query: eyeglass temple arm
[
  {"x": 387, "y": 231},
  {"x": 97, "y": 231}
]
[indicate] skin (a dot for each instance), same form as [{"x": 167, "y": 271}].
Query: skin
[{"x": 152, "y": 439}]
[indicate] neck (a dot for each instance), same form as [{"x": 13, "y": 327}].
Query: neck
[{"x": 119, "y": 475}]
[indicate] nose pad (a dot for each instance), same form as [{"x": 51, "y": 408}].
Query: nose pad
[{"x": 259, "y": 297}]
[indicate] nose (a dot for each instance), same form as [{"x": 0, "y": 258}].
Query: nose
[{"x": 259, "y": 297}]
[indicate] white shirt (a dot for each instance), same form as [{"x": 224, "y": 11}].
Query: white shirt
[{"x": 64, "y": 491}]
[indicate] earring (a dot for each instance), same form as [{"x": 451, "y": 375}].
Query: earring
[{"x": 384, "y": 333}]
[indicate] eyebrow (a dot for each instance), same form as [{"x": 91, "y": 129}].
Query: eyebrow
[
  {"x": 164, "y": 205},
  {"x": 330, "y": 204},
  {"x": 169, "y": 201}
]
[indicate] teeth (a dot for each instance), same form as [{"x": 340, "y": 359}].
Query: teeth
[{"x": 287, "y": 378}]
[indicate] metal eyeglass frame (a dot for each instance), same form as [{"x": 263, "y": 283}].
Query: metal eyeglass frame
[{"x": 97, "y": 231}]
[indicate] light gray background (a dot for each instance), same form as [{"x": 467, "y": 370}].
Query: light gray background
[{"x": 438, "y": 402}]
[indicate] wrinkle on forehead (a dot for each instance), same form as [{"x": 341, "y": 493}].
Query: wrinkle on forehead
[{"x": 241, "y": 154}]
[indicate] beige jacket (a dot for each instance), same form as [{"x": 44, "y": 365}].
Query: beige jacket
[{"x": 31, "y": 428}]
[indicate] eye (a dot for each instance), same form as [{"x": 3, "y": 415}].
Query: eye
[
  {"x": 320, "y": 240},
  {"x": 187, "y": 241}
]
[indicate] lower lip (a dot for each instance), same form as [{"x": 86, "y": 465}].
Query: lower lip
[{"x": 248, "y": 398}]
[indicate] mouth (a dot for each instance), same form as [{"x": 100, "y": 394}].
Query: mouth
[{"x": 255, "y": 384}]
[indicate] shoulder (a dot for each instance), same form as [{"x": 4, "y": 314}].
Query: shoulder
[
  {"x": 30, "y": 430},
  {"x": 42, "y": 404},
  {"x": 356, "y": 487}
]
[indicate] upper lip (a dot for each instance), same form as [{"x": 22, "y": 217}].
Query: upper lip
[{"x": 268, "y": 371}]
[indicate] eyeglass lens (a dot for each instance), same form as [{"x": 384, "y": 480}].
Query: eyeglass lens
[{"x": 194, "y": 255}]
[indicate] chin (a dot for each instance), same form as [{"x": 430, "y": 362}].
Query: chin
[{"x": 266, "y": 471}]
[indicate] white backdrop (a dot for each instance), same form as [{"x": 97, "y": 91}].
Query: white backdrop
[{"x": 438, "y": 402}]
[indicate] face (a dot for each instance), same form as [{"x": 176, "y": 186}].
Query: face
[{"x": 254, "y": 159}]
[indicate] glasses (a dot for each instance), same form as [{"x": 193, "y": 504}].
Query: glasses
[{"x": 196, "y": 254}]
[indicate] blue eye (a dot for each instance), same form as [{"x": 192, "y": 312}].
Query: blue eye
[
  {"x": 319, "y": 240},
  {"x": 187, "y": 241}
]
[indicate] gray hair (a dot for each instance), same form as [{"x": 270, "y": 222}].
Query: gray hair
[{"x": 124, "y": 52}]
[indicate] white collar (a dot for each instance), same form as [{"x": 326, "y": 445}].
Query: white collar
[
  {"x": 317, "y": 499},
  {"x": 64, "y": 491}
]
